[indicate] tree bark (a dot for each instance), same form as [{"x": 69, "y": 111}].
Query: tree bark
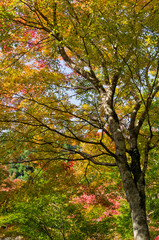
[
  {"x": 136, "y": 202},
  {"x": 133, "y": 181}
]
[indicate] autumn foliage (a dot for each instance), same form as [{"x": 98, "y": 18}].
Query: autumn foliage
[{"x": 79, "y": 119}]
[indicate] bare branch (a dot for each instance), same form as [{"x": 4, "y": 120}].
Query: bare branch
[{"x": 133, "y": 116}]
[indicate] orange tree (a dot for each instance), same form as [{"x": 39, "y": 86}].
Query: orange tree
[{"x": 110, "y": 51}]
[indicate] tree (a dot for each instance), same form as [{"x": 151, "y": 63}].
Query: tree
[
  {"x": 41, "y": 209},
  {"x": 112, "y": 50}
]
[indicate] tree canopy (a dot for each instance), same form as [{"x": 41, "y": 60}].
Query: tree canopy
[{"x": 79, "y": 82}]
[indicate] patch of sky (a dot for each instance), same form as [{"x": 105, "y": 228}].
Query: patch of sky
[{"x": 70, "y": 93}]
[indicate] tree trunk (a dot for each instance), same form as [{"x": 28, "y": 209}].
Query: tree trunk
[
  {"x": 137, "y": 204},
  {"x": 140, "y": 227},
  {"x": 133, "y": 181}
]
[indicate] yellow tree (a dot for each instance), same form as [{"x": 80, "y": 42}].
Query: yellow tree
[{"x": 112, "y": 50}]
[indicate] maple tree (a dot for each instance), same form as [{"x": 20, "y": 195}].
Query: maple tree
[
  {"x": 52, "y": 208},
  {"x": 106, "y": 100}
]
